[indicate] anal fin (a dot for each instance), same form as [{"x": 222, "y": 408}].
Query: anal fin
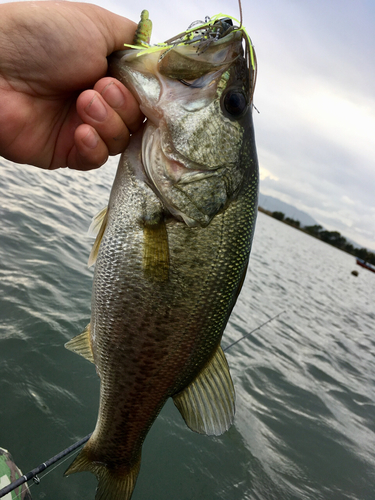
[
  {"x": 207, "y": 404},
  {"x": 81, "y": 344}
]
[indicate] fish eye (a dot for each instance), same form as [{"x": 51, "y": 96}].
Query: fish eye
[{"x": 235, "y": 103}]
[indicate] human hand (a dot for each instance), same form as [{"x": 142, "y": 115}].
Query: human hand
[{"x": 49, "y": 53}]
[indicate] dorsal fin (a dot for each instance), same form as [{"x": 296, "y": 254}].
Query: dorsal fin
[
  {"x": 98, "y": 225},
  {"x": 81, "y": 344},
  {"x": 97, "y": 222}
]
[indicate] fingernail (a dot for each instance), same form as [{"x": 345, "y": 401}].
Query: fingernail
[
  {"x": 90, "y": 140},
  {"x": 96, "y": 109},
  {"x": 113, "y": 95}
]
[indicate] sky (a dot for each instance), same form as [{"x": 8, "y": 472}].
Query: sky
[{"x": 315, "y": 93}]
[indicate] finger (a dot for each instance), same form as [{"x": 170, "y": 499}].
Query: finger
[
  {"x": 95, "y": 111},
  {"x": 89, "y": 150},
  {"x": 122, "y": 101}
]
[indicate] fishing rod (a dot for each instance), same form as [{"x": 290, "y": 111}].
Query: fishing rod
[{"x": 33, "y": 473}]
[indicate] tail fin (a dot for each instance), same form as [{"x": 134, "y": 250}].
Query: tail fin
[{"x": 112, "y": 484}]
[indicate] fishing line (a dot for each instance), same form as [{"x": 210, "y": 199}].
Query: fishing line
[
  {"x": 252, "y": 331},
  {"x": 240, "y": 7},
  {"x": 68, "y": 452},
  {"x": 68, "y": 457}
]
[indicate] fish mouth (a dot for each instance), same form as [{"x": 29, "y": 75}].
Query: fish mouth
[{"x": 145, "y": 70}]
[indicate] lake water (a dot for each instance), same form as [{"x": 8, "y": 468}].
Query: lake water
[{"x": 305, "y": 382}]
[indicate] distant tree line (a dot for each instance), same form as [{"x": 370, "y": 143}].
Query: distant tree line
[
  {"x": 287, "y": 220},
  {"x": 332, "y": 237}
]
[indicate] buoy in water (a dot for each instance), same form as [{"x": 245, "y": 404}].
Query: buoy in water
[{"x": 9, "y": 472}]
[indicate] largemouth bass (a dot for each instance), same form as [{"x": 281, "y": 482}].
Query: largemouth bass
[{"x": 172, "y": 248}]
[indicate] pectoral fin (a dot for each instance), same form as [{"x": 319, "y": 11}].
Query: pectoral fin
[
  {"x": 81, "y": 344},
  {"x": 207, "y": 404},
  {"x": 156, "y": 252},
  {"x": 98, "y": 225}
]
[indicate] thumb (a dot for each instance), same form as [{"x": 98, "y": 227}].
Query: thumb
[{"x": 115, "y": 29}]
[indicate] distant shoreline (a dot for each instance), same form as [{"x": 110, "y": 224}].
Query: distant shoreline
[{"x": 333, "y": 238}]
